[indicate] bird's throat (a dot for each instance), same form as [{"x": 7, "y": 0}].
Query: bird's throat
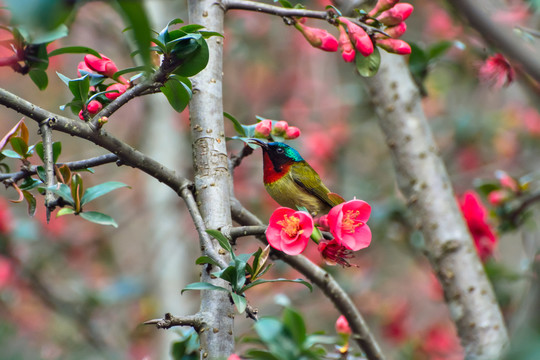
[{"x": 273, "y": 173}]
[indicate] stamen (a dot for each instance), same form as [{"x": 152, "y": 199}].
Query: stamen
[
  {"x": 349, "y": 222},
  {"x": 291, "y": 225}
]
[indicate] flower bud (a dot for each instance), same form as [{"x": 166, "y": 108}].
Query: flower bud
[
  {"x": 342, "y": 326},
  {"x": 318, "y": 38},
  {"x": 361, "y": 40},
  {"x": 83, "y": 67},
  {"x": 280, "y": 128},
  {"x": 395, "y": 15},
  {"x": 347, "y": 49},
  {"x": 292, "y": 133},
  {"x": 394, "y": 46},
  {"x": 94, "y": 107},
  {"x": 382, "y": 5},
  {"x": 263, "y": 129},
  {"x": 397, "y": 30},
  {"x": 120, "y": 88},
  {"x": 104, "y": 66},
  {"x": 497, "y": 197}
]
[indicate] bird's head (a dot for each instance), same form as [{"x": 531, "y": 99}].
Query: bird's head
[{"x": 279, "y": 153}]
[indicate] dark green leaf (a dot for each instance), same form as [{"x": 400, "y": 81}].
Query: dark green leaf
[
  {"x": 209, "y": 34},
  {"x": 57, "y": 149},
  {"x": 438, "y": 49},
  {"x": 99, "y": 190},
  {"x": 203, "y": 286},
  {"x": 294, "y": 322},
  {"x": 39, "y": 150},
  {"x": 74, "y": 50},
  {"x": 240, "y": 302},
  {"x": 40, "y": 78},
  {"x": 418, "y": 61},
  {"x": 77, "y": 190},
  {"x": 239, "y": 128},
  {"x": 205, "y": 260},
  {"x": 134, "y": 14},
  {"x": 61, "y": 190},
  {"x": 42, "y": 174},
  {"x": 31, "y": 200},
  {"x": 177, "y": 93},
  {"x": 191, "y": 28},
  {"x": 368, "y": 66},
  {"x": 262, "y": 281},
  {"x": 229, "y": 275},
  {"x": 80, "y": 87},
  {"x": 223, "y": 241},
  {"x": 19, "y": 146},
  {"x": 240, "y": 266},
  {"x": 30, "y": 183},
  {"x": 196, "y": 62},
  {"x": 285, "y": 4},
  {"x": 98, "y": 218},
  {"x": 261, "y": 355}
]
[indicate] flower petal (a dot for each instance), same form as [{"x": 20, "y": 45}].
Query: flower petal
[{"x": 360, "y": 239}]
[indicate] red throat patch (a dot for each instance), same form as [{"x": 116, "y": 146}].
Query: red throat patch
[{"x": 270, "y": 173}]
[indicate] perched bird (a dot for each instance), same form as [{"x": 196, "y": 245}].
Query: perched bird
[{"x": 292, "y": 182}]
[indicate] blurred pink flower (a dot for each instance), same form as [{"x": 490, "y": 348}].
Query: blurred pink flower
[
  {"x": 263, "y": 129},
  {"x": 289, "y": 230},
  {"x": 6, "y": 271},
  {"x": 382, "y": 5},
  {"x": 396, "y": 31},
  {"x": 342, "y": 326},
  {"x": 361, "y": 40},
  {"x": 234, "y": 357},
  {"x": 6, "y": 218},
  {"x": 531, "y": 121},
  {"x": 475, "y": 215},
  {"x": 507, "y": 181},
  {"x": 347, "y": 48},
  {"x": 334, "y": 253},
  {"x": 497, "y": 197},
  {"x": 517, "y": 12},
  {"x": 318, "y": 38},
  {"x": 292, "y": 133},
  {"x": 394, "y": 46},
  {"x": 280, "y": 128},
  {"x": 496, "y": 71},
  {"x": 399, "y": 13},
  {"x": 441, "y": 343},
  {"x": 440, "y": 25}
]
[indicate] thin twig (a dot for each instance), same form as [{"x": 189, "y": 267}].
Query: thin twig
[
  {"x": 513, "y": 216},
  {"x": 168, "y": 321},
  {"x": 48, "y": 164},
  {"x": 236, "y": 160},
  {"x": 237, "y": 232}
]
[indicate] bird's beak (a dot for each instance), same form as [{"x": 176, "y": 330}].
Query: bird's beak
[{"x": 259, "y": 142}]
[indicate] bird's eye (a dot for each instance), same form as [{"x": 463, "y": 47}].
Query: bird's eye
[{"x": 279, "y": 150}]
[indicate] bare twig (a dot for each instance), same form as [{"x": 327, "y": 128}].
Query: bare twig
[
  {"x": 48, "y": 164},
  {"x": 329, "y": 286},
  {"x": 237, "y": 232},
  {"x": 236, "y": 160},
  {"x": 168, "y": 321},
  {"x": 516, "y": 213}
]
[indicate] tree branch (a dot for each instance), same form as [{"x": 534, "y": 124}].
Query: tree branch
[
  {"x": 329, "y": 286},
  {"x": 168, "y": 321},
  {"x": 48, "y": 164},
  {"x": 423, "y": 180},
  {"x": 237, "y": 232}
]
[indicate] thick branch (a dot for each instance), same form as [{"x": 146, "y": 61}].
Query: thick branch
[
  {"x": 500, "y": 36},
  {"x": 423, "y": 180},
  {"x": 48, "y": 164},
  {"x": 329, "y": 286}
]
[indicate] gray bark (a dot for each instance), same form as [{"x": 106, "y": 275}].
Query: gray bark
[{"x": 423, "y": 180}]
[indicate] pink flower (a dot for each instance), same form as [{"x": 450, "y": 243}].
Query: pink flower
[
  {"x": 440, "y": 343},
  {"x": 361, "y": 40},
  {"x": 496, "y": 71},
  {"x": 263, "y": 129},
  {"x": 395, "y": 15},
  {"x": 507, "y": 181},
  {"x": 497, "y": 197},
  {"x": 342, "y": 326},
  {"x": 6, "y": 218},
  {"x": 334, "y": 253},
  {"x": 234, "y": 357},
  {"x": 120, "y": 88},
  {"x": 6, "y": 271},
  {"x": 347, "y": 222},
  {"x": 104, "y": 66},
  {"x": 318, "y": 38},
  {"x": 475, "y": 215},
  {"x": 345, "y": 44},
  {"x": 396, "y": 31},
  {"x": 94, "y": 107},
  {"x": 289, "y": 230},
  {"x": 382, "y": 5},
  {"x": 83, "y": 67},
  {"x": 280, "y": 128},
  {"x": 394, "y": 46},
  {"x": 292, "y": 133}
]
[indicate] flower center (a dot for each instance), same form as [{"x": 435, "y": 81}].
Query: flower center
[
  {"x": 291, "y": 225},
  {"x": 349, "y": 222}
]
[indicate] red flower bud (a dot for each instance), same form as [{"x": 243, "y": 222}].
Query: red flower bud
[
  {"x": 318, "y": 38},
  {"x": 394, "y": 46},
  {"x": 397, "y": 30},
  {"x": 497, "y": 197},
  {"x": 342, "y": 326},
  {"x": 104, "y": 66},
  {"x": 347, "y": 48},
  {"x": 382, "y": 5},
  {"x": 94, "y": 107},
  {"x": 395, "y": 15},
  {"x": 83, "y": 67},
  {"x": 263, "y": 129},
  {"x": 280, "y": 128},
  {"x": 361, "y": 40},
  {"x": 120, "y": 88},
  {"x": 292, "y": 133},
  {"x": 497, "y": 71}
]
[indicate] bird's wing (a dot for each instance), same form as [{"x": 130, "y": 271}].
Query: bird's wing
[{"x": 309, "y": 180}]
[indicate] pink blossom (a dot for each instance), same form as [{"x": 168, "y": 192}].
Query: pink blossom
[
  {"x": 396, "y": 31},
  {"x": 6, "y": 218},
  {"x": 440, "y": 343},
  {"x": 394, "y": 46},
  {"x": 280, "y": 128},
  {"x": 497, "y": 197},
  {"x": 334, "y": 253},
  {"x": 120, "y": 88},
  {"x": 6, "y": 271},
  {"x": 347, "y": 222},
  {"x": 382, "y": 5},
  {"x": 318, "y": 38},
  {"x": 83, "y": 67},
  {"x": 292, "y": 133},
  {"x": 475, "y": 215},
  {"x": 104, "y": 66},
  {"x": 395, "y": 15},
  {"x": 496, "y": 71},
  {"x": 440, "y": 24},
  {"x": 94, "y": 107},
  {"x": 345, "y": 44},
  {"x": 342, "y": 326},
  {"x": 507, "y": 181},
  {"x": 234, "y": 357},
  {"x": 263, "y": 129},
  {"x": 361, "y": 40},
  {"x": 289, "y": 230}
]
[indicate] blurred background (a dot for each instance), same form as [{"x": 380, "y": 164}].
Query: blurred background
[{"x": 71, "y": 289}]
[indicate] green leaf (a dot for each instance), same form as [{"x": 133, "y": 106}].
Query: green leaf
[
  {"x": 239, "y": 128},
  {"x": 65, "y": 211},
  {"x": 38, "y": 148},
  {"x": 41, "y": 173},
  {"x": 58, "y": 33},
  {"x": 368, "y": 66},
  {"x": 19, "y": 146},
  {"x": 240, "y": 302},
  {"x": 94, "y": 192},
  {"x": 262, "y": 281},
  {"x": 177, "y": 93},
  {"x": 285, "y": 4},
  {"x": 61, "y": 190},
  {"x": 39, "y": 17},
  {"x": 191, "y": 28},
  {"x": 294, "y": 322},
  {"x": 31, "y": 200},
  {"x": 36, "y": 56},
  {"x": 208, "y": 34},
  {"x": 203, "y": 286},
  {"x": 30, "y": 183},
  {"x": 205, "y": 260},
  {"x": 57, "y": 149},
  {"x": 134, "y": 14},
  {"x": 229, "y": 275},
  {"x": 11, "y": 154},
  {"x": 223, "y": 241},
  {"x": 40, "y": 78},
  {"x": 418, "y": 61},
  {"x": 74, "y": 50},
  {"x": 196, "y": 61},
  {"x": 80, "y": 87},
  {"x": 98, "y": 218},
  {"x": 268, "y": 329},
  {"x": 438, "y": 49},
  {"x": 240, "y": 266}
]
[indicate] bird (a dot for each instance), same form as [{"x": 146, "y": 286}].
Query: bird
[{"x": 292, "y": 182}]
